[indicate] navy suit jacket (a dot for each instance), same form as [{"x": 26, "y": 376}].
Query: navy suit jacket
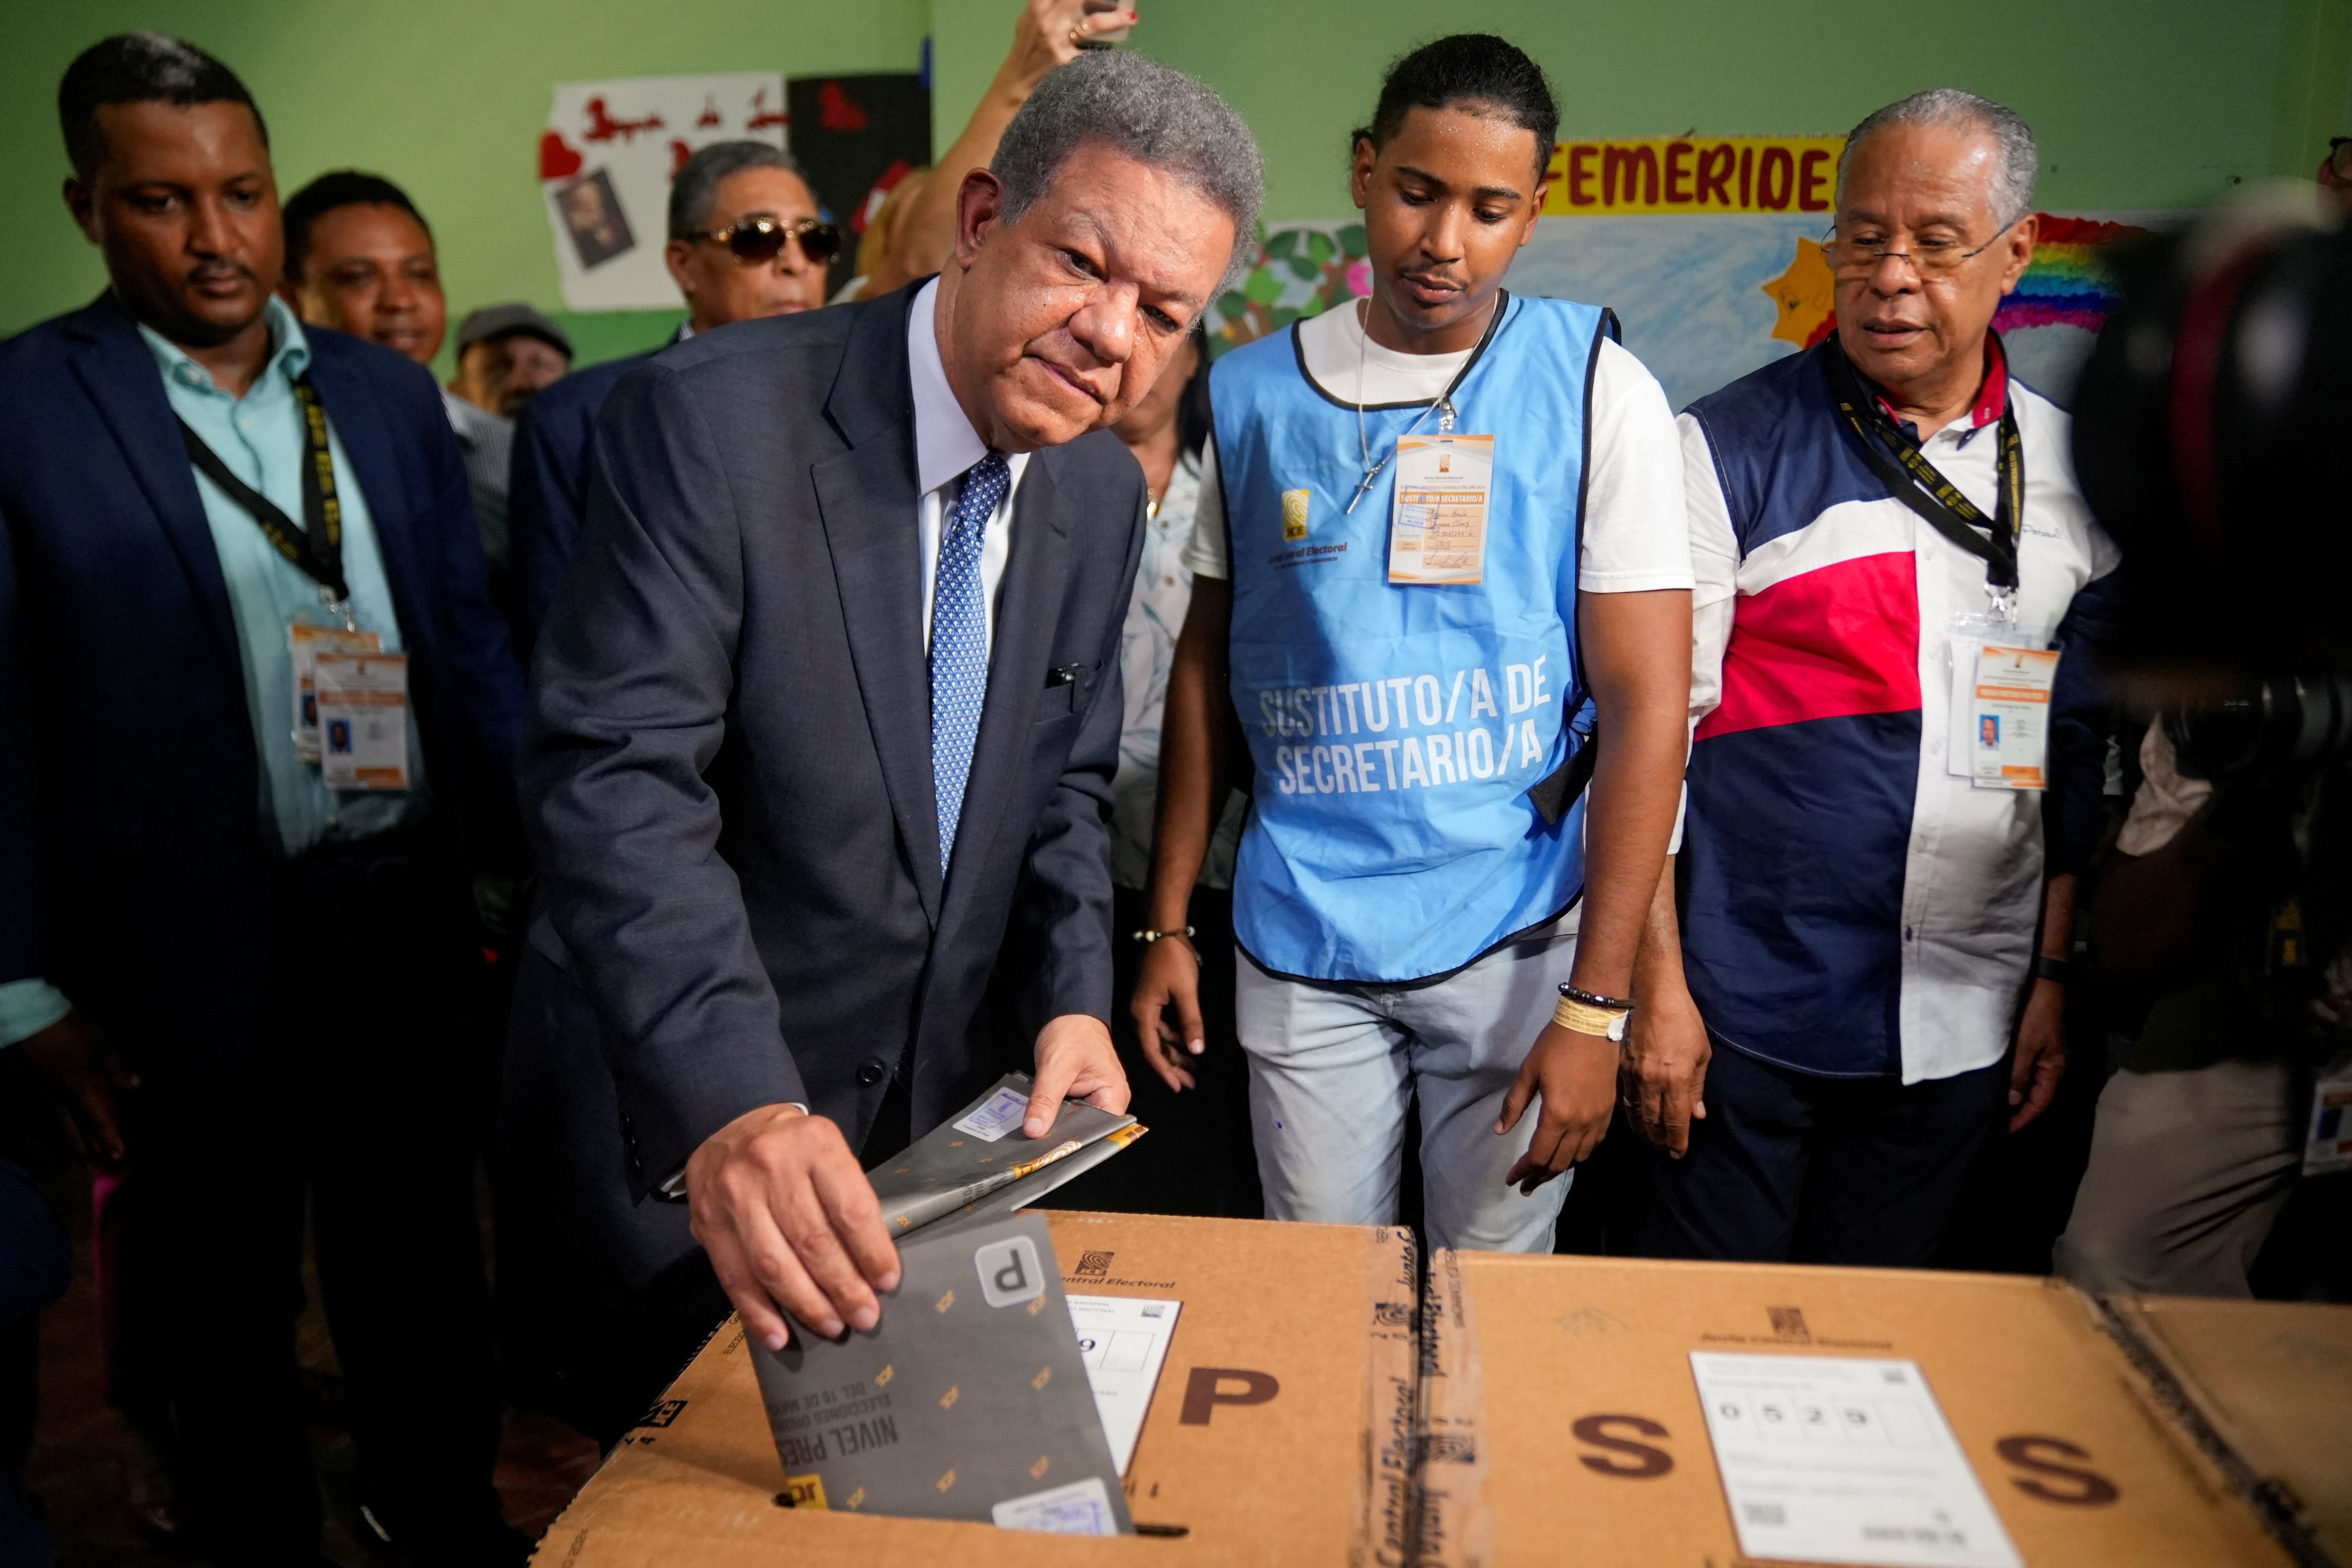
[
  {"x": 546, "y": 488},
  {"x": 135, "y": 863},
  {"x": 726, "y": 770}
]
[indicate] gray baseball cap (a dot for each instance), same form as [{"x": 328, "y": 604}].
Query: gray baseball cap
[{"x": 504, "y": 320}]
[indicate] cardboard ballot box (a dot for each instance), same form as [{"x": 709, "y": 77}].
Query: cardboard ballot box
[
  {"x": 2268, "y": 1384},
  {"x": 1280, "y": 1431},
  {"x": 1563, "y": 1422}
]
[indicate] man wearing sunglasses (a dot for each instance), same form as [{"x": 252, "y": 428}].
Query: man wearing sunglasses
[
  {"x": 745, "y": 241},
  {"x": 1875, "y": 914}
]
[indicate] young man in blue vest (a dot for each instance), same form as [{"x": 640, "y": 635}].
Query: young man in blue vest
[{"x": 1444, "y": 540}]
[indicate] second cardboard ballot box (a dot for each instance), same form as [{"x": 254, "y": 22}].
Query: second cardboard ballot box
[
  {"x": 1695, "y": 1415},
  {"x": 1280, "y": 1430}
]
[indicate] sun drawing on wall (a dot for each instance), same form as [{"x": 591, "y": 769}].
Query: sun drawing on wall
[{"x": 2067, "y": 283}]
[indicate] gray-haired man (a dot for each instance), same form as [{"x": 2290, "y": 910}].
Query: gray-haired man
[
  {"x": 1879, "y": 888},
  {"x": 829, "y": 699}
]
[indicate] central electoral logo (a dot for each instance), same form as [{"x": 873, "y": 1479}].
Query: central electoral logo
[{"x": 1294, "y": 514}]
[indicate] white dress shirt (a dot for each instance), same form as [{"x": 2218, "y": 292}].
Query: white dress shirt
[{"x": 946, "y": 447}]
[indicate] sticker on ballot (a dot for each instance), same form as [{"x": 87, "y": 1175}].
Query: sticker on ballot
[
  {"x": 2000, "y": 712},
  {"x": 1081, "y": 1507},
  {"x": 998, "y": 1114},
  {"x": 363, "y": 720},
  {"x": 306, "y": 641},
  {"x": 1437, "y": 533},
  {"x": 1832, "y": 1459}
]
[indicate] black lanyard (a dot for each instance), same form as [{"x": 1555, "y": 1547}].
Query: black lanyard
[
  {"x": 1898, "y": 459},
  {"x": 316, "y": 547}
]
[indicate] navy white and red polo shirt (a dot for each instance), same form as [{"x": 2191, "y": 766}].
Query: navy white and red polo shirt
[{"x": 1853, "y": 909}]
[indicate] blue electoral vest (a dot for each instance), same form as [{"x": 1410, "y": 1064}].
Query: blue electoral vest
[{"x": 1397, "y": 731}]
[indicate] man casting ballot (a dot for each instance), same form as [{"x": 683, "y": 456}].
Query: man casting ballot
[{"x": 830, "y": 699}]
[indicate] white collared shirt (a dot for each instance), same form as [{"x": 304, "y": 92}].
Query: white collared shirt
[{"x": 946, "y": 447}]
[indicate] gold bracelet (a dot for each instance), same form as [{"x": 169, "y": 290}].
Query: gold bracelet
[{"x": 1584, "y": 1018}]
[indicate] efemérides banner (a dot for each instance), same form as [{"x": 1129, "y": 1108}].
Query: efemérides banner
[{"x": 1694, "y": 174}]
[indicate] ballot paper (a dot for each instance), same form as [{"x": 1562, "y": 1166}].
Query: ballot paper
[
  {"x": 1123, "y": 1341},
  {"x": 1828, "y": 1460},
  {"x": 983, "y": 1151},
  {"x": 967, "y": 1400}
]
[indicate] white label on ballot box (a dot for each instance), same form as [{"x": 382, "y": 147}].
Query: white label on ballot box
[
  {"x": 363, "y": 719},
  {"x": 1827, "y": 1459},
  {"x": 1123, "y": 1341},
  {"x": 1438, "y": 531}
]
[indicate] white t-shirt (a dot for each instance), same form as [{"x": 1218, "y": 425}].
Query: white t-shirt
[{"x": 1635, "y": 536}]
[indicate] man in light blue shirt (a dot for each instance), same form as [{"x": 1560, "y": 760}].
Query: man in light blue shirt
[{"x": 184, "y": 472}]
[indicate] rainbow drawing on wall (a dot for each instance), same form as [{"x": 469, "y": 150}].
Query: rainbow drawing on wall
[{"x": 2067, "y": 284}]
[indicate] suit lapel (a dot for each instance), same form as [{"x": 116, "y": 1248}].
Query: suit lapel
[
  {"x": 1028, "y": 607},
  {"x": 868, "y": 500},
  {"x": 114, "y": 366}
]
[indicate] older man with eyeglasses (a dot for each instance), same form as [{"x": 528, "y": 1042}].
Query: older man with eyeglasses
[{"x": 1876, "y": 886}]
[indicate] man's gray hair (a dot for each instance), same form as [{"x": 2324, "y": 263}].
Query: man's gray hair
[
  {"x": 1149, "y": 112},
  {"x": 696, "y": 190},
  {"x": 1959, "y": 110}
]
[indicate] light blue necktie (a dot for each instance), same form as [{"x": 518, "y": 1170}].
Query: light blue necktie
[{"x": 959, "y": 642}]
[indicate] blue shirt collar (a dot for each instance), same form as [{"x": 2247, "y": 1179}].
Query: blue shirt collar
[{"x": 290, "y": 353}]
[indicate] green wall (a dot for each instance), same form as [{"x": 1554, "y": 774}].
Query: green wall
[{"x": 2138, "y": 103}]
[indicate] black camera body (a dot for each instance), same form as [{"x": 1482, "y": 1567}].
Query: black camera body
[{"x": 2214, "y": 439}]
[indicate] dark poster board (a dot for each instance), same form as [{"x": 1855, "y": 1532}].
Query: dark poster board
[{"x": 856, "y": 135}]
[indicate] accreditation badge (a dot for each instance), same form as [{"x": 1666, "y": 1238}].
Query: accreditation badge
[
  {"x": 307, "y": 640},
  {"x": 362, "y": 701},
  {"x": 2002, "y": 694},
  {"x": 1437, "y": 527}
]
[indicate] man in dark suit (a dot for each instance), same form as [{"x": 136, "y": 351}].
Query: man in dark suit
[
  {"x": 829, "y": 702},
  {"x": 746, "y": 242},
  {"x": 239, "y": 980}
]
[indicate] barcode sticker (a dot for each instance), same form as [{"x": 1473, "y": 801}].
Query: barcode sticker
[{"x": 998, "y": 1114}]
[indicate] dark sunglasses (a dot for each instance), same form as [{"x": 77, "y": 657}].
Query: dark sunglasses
[{"x": 760, "y": 238}]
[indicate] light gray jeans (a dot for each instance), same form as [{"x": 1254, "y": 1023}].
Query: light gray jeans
[{"x": 1333, "y": 1069}]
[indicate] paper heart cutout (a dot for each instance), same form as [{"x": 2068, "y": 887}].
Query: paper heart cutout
[{"x": 557, "y": 158}]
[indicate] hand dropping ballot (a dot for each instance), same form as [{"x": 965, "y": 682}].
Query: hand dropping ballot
[
  {"x": 1437, "y": 533},
  {"x": 977, "y": 1396},
  {"x": 969, "y": 1400}
]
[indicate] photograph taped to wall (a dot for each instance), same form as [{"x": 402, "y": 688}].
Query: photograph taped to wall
[{"x": 606, "y": 162}]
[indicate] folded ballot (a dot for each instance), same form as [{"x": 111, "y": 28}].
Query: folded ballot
[
  {"x": 969, "y": 1400},
  {"x": 981, "y": 1155}
]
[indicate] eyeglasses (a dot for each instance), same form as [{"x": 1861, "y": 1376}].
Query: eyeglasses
[
  {"x": 761, "y": 238},
  {"x": 1929, "y": 257}
]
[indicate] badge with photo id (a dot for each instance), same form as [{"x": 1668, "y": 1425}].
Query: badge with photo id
[
  {"x": 2001, "y": 712},
  {"x": 1437, "y": 531},
  {"x": 307, "y": 640},
  {"x": 363, "y": 720}
]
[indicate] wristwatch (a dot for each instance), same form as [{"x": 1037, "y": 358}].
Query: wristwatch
[{"x": 2057, "y": 970}]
